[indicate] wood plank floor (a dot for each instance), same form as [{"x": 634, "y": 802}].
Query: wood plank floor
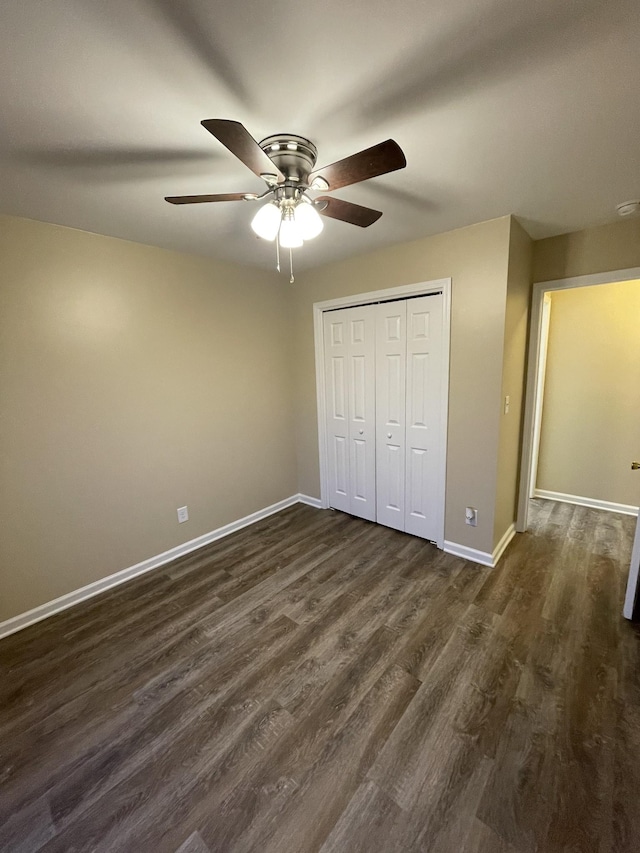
[{"x": 319, "y": 683}]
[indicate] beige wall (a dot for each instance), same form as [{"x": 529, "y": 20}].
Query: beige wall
[
  {"x": 594, "y": 250},
  {"x": 513, "y": 378},
  {"x": 476, "y": 258},
  {"x": 591, "y": 414},
  {"x": 133, "y": 381}
]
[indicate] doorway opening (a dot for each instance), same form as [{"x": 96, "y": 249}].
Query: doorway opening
[{"x": 578, "y": 418}]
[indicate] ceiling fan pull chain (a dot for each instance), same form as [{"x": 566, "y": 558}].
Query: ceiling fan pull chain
[
  {"x": 291, "y": 278},
  {"x": 278, "y": 254}
]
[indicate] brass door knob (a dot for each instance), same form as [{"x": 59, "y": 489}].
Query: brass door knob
[{"x": 635, "y": 466}]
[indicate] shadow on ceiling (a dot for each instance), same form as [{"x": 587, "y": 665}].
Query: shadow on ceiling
[
  {"x": 200, "y": 34},
  {"x": 480, "y": 51},
  {"x": 407, "y": 199},
  {"x": 119, "y": 163}
]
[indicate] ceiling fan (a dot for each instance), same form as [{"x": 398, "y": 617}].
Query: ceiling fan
[{"x": 286, "y": 164}]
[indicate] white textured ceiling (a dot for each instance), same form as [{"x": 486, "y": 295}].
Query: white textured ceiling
[{"x": 501, "y": 106}]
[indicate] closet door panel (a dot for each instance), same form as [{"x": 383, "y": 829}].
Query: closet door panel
[
  {"x": 362, "y": 407},
  {"x": 349, "y": 344},
  {"x": 424, "y": 377},
  {"x": 338, "y": 394},
  {"x": 394, "y": 486},
  {"x": 416, "y": 484},
  {"x": 341, "y": 468},
  {"x": 337, "y": 407},
  {"x": 391, "y": 320},
  {"x": 359, "y": 489}
]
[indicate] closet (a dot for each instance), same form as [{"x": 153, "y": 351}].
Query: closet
[{"x": 383, "y": 371}]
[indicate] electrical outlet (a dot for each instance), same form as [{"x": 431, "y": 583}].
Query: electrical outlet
[
  {"x": 471, "y": 516},
  {"x": 183, "y": 514}
]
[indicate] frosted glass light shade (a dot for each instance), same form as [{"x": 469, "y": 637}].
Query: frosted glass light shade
[
  {"x": 308, "y": 220},
  {"x": 267, "y": 221},
  {"x": 290, "y": 236}
]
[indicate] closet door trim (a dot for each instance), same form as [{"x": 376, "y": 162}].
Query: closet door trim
[{"x": 406, "y": 291}]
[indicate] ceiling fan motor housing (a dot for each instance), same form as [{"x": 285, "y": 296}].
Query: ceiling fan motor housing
[{"x": 295, "y": 156}]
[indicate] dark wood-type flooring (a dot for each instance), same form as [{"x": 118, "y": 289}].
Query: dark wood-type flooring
[{"x": 319, "y": 683}]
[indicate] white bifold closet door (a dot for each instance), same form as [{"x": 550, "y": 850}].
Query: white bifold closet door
[
  {"x": 408, "y": 410},
  {"x": 383, "y": 365},
  {"x": 391, "y": 372},
  {"x": 349, "y": 345}
]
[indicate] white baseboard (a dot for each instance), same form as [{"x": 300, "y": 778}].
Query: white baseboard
[
  {"x": 482, "y": 557},
  {"x": 305, "y": 499},
  {"x": 43, "y": 611},
  {"x": 501, "y": 547},
  {"x": 625, "y": 509},
  {"x": 23, "y": 620}
]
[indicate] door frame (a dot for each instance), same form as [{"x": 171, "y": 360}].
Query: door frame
[
  {"x": 632, "y": 594},
  {"x": 423, "y": 288},
  {"x": 534, "y": 391},
  {"x": 545, "y": 322}
]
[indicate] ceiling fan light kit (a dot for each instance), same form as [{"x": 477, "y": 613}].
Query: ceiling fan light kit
[
  {"x": 266, "y": 222},
  {"x": 289, "y": 235},
  {"x": 308, "y": 219},
  {"x": 290, "y": 215},
  {"x": 286, "y": 163}
]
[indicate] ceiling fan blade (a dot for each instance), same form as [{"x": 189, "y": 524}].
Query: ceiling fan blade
[
  {"x": 377, "y": 160},
  {"x": 348, "y": 212},
  {"x": 199, "y": 199},
  {"x": 239, "y": 141}
]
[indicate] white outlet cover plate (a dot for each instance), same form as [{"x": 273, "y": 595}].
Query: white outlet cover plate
[{"x": 183, "y": 514}]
